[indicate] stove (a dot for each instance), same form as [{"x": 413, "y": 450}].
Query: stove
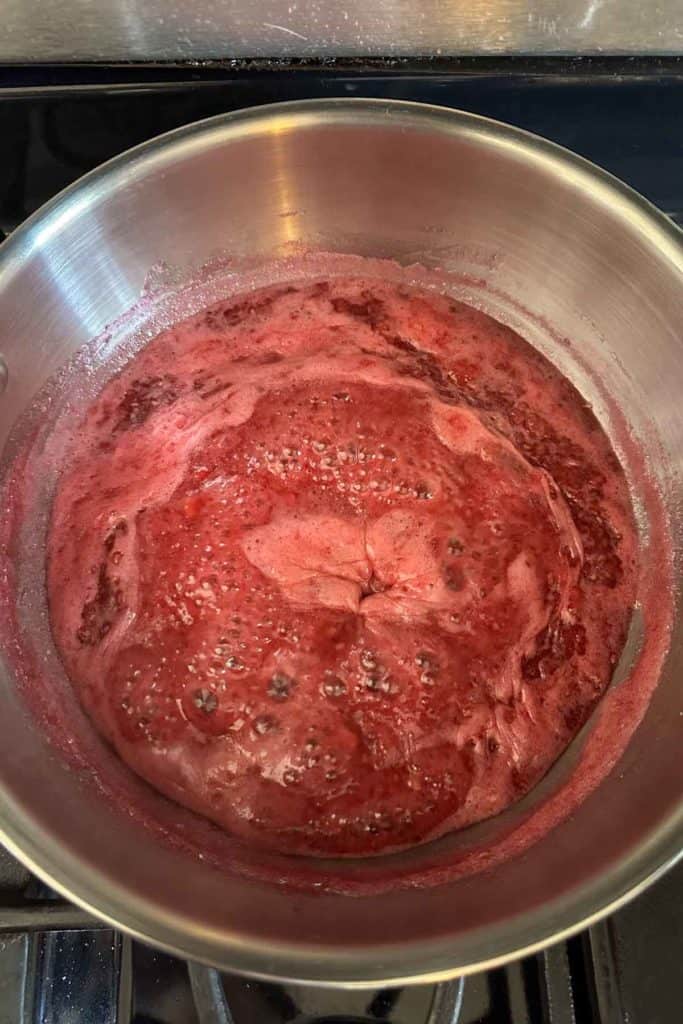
[{"x": 57, "y": 964}]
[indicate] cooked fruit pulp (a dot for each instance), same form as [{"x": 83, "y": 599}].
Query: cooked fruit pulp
[{"x": 341, "y": 565}]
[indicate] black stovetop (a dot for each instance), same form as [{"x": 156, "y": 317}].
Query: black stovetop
[{"x": 57, "y": 965}]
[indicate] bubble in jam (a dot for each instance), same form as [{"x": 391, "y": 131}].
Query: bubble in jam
[{"x": 358, "y": 568}]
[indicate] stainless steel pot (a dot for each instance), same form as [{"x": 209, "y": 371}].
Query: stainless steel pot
[{"x": 512, "y": 217}]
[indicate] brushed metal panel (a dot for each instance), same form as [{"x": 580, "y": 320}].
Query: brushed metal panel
[{"x": 60, "y": 30}]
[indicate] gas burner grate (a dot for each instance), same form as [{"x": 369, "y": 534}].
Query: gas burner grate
[{"x": 99, "y": 976}]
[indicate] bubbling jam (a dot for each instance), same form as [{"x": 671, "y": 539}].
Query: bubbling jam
[{"x": 342, "y": 566}]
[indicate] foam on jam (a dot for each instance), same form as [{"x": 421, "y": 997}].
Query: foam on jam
[{"x": 342, "y": 566}]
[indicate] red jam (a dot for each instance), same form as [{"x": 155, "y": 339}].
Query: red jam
[{"x": 342, "y": 566}]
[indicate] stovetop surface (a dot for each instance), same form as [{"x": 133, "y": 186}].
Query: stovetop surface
[{"x": 58, "y": 966}]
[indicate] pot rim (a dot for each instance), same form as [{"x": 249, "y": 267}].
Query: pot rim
[{"x": 388, "y": 965}]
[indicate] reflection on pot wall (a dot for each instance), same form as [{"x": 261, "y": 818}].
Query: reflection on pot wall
[{"x": 56, "y": 30}]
